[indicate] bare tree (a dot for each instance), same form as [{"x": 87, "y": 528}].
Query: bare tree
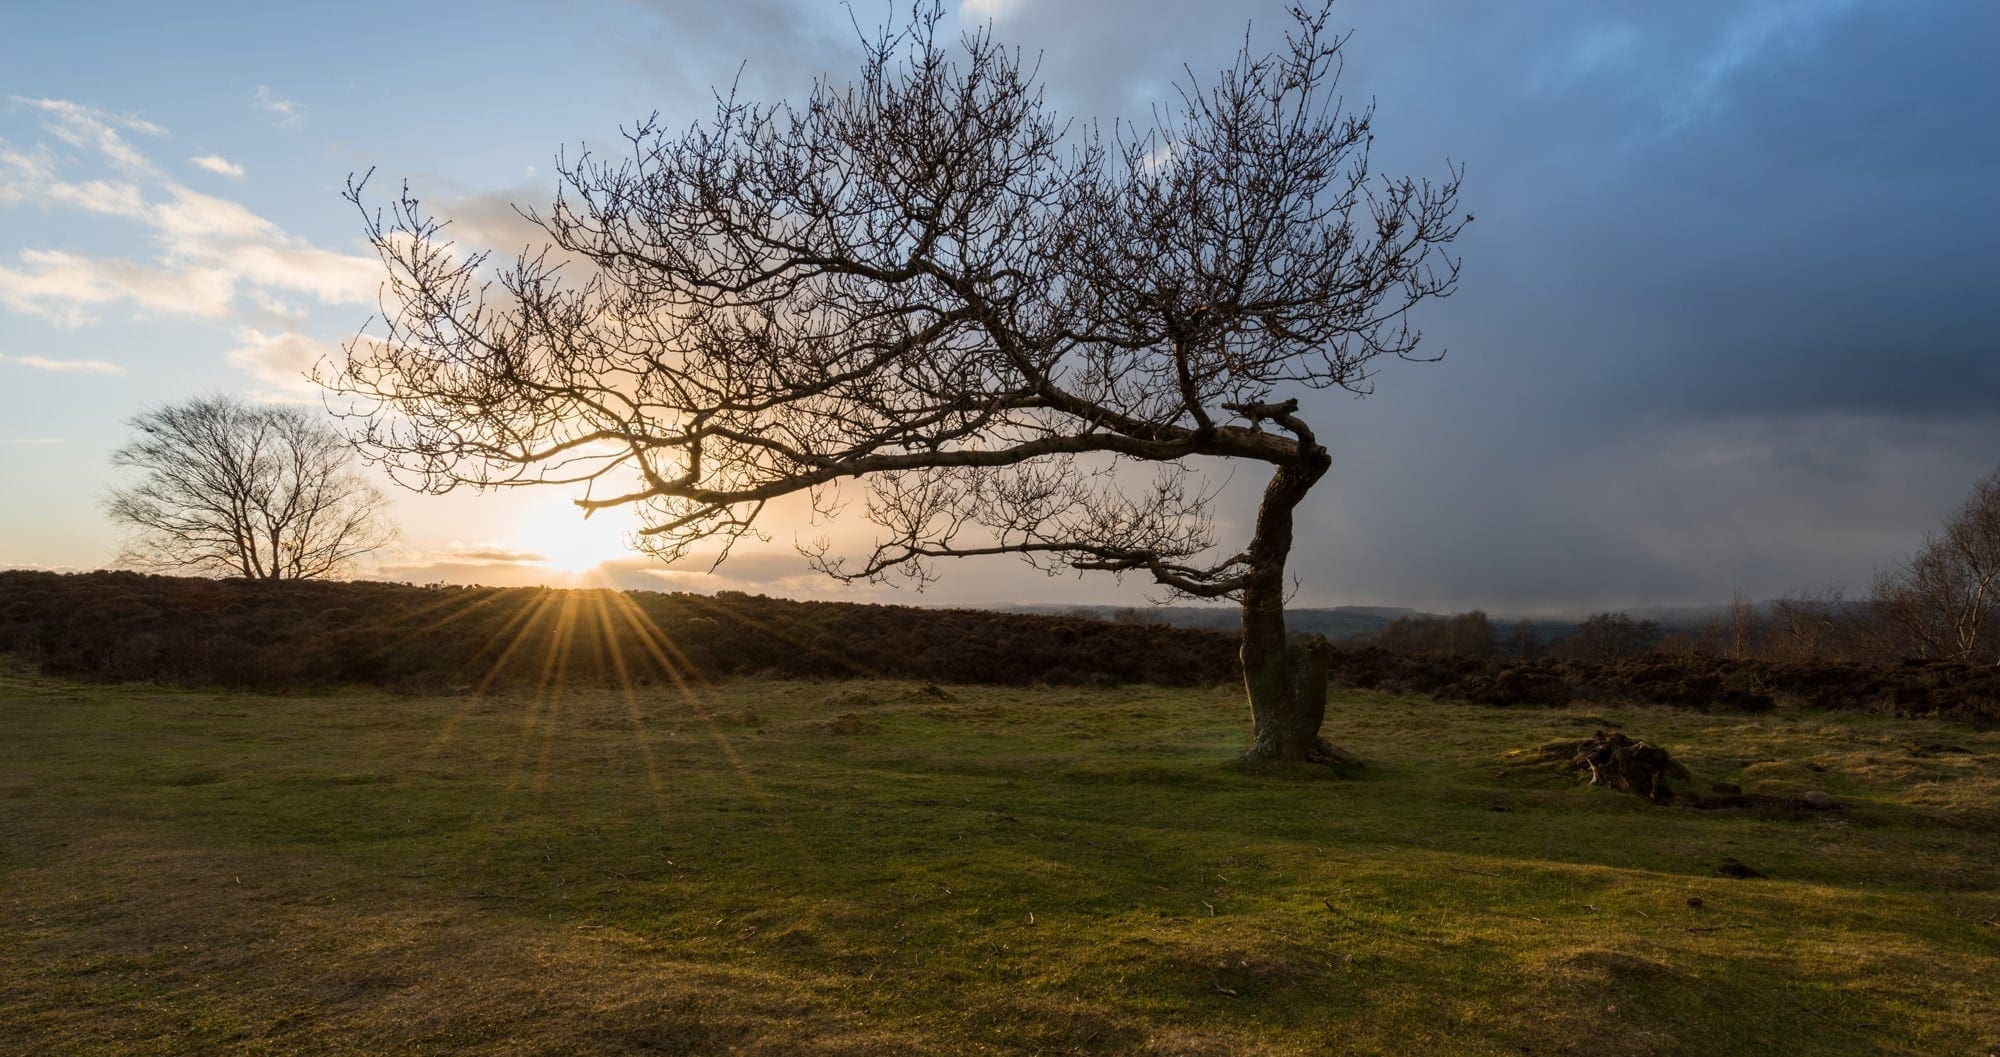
[
  {"x": 225, "y": 487},
  {"x": 1945, "y": 600},
  {"x": 928, "y": 281},
  {"x": 1746, "y": 625}
]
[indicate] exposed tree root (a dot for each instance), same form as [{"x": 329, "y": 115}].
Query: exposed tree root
[{"x": 1319, "y": 751}]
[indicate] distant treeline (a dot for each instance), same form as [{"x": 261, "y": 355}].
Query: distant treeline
[
  {"x": 119, "y": 625},
  {"x": 1824, "y": 627},
  {"x": 1820, "y": 651},
  {"x": 1600, "y": 638},
  {"x": 232, "y": 633},
  {"x": 1797, "y": 629},
  {"x": 1944, "y": 689}
]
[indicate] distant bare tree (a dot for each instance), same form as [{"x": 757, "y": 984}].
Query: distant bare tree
[
  {"x": 1806, "y": 627},
  {"x": 1945, "y": 600},
  {"x": 225, "y": 487},
  {"x": 1746, "y": 625},
  {"x": 928, "y": 281}
]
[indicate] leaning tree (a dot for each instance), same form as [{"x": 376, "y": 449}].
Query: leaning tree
[{"x": 927, "y": 282}]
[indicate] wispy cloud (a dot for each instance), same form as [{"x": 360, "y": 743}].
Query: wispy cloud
[
  {"x": 1749, "y": 36},
  {"x": 455, "y": 559},
  {"x": 30, "y": 177},
  {"x": 212, "y": 251},
  {"x": 283, "y": 359},
  {"x": 486, "y": 553},
  {"x": 218, "y": 165},
  {"x": 44, "y": 363},
  {"x": 1686, "y": 68},
  {"x": 62, "y": 287},
  {"x": 287, "y": 113},
  {"x": 89, "y": 128}
]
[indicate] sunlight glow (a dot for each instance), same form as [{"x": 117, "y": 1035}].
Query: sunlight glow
[{"x": 568, "y": 543}]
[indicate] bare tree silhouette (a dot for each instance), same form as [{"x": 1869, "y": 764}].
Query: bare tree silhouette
[
  {"x": 265, "y": 493},
  {"x": 1946, "y": 599},
  {"x": 928, "y": 281}
]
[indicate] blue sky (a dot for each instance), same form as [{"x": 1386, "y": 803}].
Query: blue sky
[{"x": 1724, "y": 323}]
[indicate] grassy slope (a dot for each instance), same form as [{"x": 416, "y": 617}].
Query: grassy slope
[{"x": 1012, "y": 871}]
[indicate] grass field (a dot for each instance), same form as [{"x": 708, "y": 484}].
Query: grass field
[{"x": 770, "y": 867}]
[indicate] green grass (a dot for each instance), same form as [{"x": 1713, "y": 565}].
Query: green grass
[{"x": 772, "y": 867}]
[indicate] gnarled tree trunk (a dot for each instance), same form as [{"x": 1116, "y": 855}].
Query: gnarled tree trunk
[{"x": 1286, "y": 683}]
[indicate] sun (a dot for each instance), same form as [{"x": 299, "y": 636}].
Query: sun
[{"x": 568, "y": 543}]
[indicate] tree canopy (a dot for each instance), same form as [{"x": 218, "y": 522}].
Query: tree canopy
[
  {"x": 261, "y": 492},
  {"x": 928, "y": 282}
]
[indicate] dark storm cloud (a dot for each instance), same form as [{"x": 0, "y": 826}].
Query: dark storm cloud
[{"x": 1726, "y": 313}]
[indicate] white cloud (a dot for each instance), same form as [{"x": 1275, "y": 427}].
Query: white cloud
[
  {"x": 38, "y": 442},
  {"x": 282, "y": 359},
  {"x": 44, "y": 363},
  {"x": 288, "y": 113},
  {"x": 218, "y": 165},
  {"x": 982, "y": 10},
  {"x": 108, "y": 198},
  {"x": 88, "y": 128},
  {"x": 30, "y": 177},
  {"x": 272, "y": 311},
  {"x": 333, "y": 278},
  {"x": 190, "y": 218},
  {"x": 211, "y": 251},
  {"x": 61, "y": 287}
]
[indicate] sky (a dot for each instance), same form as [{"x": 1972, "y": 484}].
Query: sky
[{"x": 1725, "y": 320}]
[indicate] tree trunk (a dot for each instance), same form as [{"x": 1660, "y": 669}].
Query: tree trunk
[{"x": 1286, "y": 683}]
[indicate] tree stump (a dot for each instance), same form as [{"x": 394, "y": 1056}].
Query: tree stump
[{"x": 1621, "y": 762}]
